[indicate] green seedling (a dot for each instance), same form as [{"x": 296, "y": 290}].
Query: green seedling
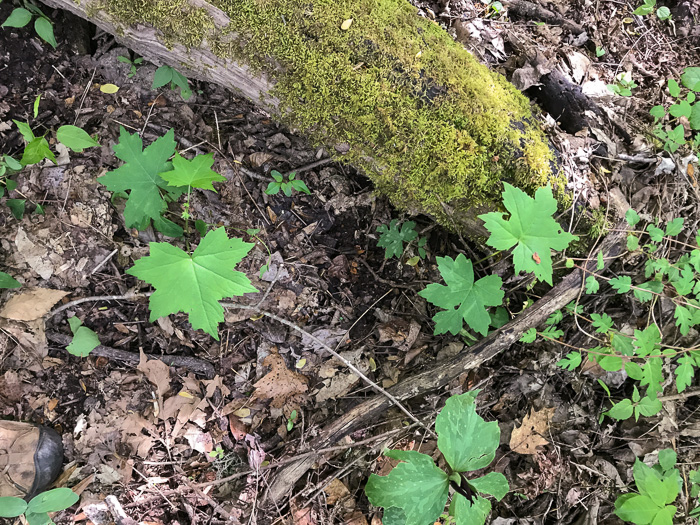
[
  {"x": 21, "y": 16},
  {"x": 393, "y": 237},
  {"x": 658, "y": 487},
  {"x": 84, "y": 340},
  {"x": 36, "y": 512},
  {"x": 135, "y": 63},
  {"x": 279, "y": 183},
  {"x": 669, "y": 130},
  {"x": 416, "y": 490},
  {"x": 663, "y": 13},
  {"x": 167, "y": 75},
  {"x": 623, "y": 85},
  {"x": 217, "y": 453},
  {"x": 291, "y": 420}
]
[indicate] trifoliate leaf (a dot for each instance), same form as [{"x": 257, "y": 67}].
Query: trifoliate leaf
[
  {"x": 75, "y": 138},
  {"x": 392, "y": 237},
  {"x": 632, "y": 217},
  {"x": 454, "y": 426},
  {"x": 685, "y": 371},
  {"x": 195, "y": 173},
  {"x": 571, "y": 361},
  {"x": 195, "y": 283},
  {"x": 417, "y": 486},
  {"x": 462, "y": 298},
  {"x": 592, "y": 285},
  {"x": 140, "y": 175},
  {"x": 621, "y": 284},
  {"x": 602, "y": 323},
  {"x": 532, "y": 227},
  {"x": 529, "y": 336},
  {"x": 637, "y": 509},
  {"x": 84, "y": 340},
  {"x": 674, "y": 227}
]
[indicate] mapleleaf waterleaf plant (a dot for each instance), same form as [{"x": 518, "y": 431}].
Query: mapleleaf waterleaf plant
[{"x": 416, "y": 490}]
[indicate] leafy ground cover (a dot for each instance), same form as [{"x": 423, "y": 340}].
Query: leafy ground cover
[{"x": 180, "y": 185}]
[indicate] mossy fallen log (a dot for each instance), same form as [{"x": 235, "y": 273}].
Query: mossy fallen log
[{"x": 382, "y": 88}]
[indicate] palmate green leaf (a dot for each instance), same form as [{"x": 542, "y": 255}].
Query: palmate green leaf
[
  {"x": 416, "y": 486},
  {"x": 195, "y": 173},
  {"x": 532, "y": 227},
  {"x": 456, "y": 425},
  {"x": 195, "y": 283},
  {"x": 571, "y": 361},
  {"x": 140, "y": 175},
  {"x": 683, "y": 319},
  {"x": 392, "y": 237},
  {"x": 602, "y": 322},
  {"x": 462, "y": 298},
  {"x": 652, "y": 376}
]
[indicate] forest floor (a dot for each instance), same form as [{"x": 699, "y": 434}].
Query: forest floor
[{"x": 162, "y": 438}]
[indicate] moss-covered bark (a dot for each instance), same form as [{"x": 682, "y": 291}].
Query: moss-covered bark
[{"x": 393, "y": 94}]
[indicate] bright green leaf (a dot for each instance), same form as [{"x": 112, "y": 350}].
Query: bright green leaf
[
  {"x": 592, "y": 285},
  {"x": 196, "y": 173},
  {"x": 691, "y": 78},
  {"x": 84, "y": 340},
  {"x": 685, "y": 371},
  {"x": 571, "y": 361},
  {"x": 532, "y": 227},
  {"x": 673, "y": 88},
  {"x": 11, "y": 507},
  {"x": 602, "y": 323},
  {"x": 683, "y": 319},
  {"x": 621, "y": 284},
  {"x": 456, "y": 425},
  {"x": 632, "y": 217},
  {"x": 75, "y": 138},
  {"x": 622, "y": 410},
  {"x": 44, "y": 28},
  {"x": 36, "y": 151},
  {"x": 667, "y": 459},
  {"x": 529, "y": 336},
  {"x": 658, "y": 112},
  {"x": 416, "y": 485},
  {"x": 674, "y": 227},
  {"x": 140, "y": 175},
  {"x": 53, "y": 500},
  {"x": 162, "y": 76},
  {"x": 392, "y": 238},
  {"x": 19, "y": 17},
  {"x": 195, "y": 283},
  {"x": 466, "y": 513},
  {"x": 637, "y": 509},
  {"x": 648, "y": 406},
  {"x": 462, "y": 298}
]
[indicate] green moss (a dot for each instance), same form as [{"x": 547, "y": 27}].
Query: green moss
[{"x": 417, "y": 113}]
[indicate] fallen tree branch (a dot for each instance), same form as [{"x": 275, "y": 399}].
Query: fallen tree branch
[{"x": 442, "y": 373}]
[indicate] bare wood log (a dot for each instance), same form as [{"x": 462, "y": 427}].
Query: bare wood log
[
  {"x": 392, "y": 94},
  {"x": 441, "y": 374}
]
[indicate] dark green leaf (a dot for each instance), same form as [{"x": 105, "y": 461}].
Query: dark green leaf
[
  {"x": 16, "y": 207},
  {"x": 162, "y": 76},
  {"x": 7, "y": 281},
  {"x": 44, "y": 28},
  {"x": 19, "y": 17}
]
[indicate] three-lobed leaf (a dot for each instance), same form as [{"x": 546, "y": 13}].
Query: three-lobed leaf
[
  {"x": 195, "y": 173},
  {"x": 531, "y": 227},
  {"x": 393, "y": 237},
  {"x": 416, "y": 486},
  {"x": 195, "y": 283},
  {"x": 462, "y": 298},
  {"x": 457, "y": 425}
]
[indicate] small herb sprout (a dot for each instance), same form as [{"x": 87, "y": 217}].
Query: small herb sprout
[
  {"x": 416, "y": 490},
  {"x": 36, "y": 512},
  {"x": 663, "y": 12},
  {"x": 292, "y": 183},
  {"x": 668, "y": 128},
  {"x": 623, "y": 85},
  {"x": 134, "y": 64},
  {"x": 291, "y": 419},
  {"x": 599, "y": 51},
  {"x": 393, "y": 237},
  {"x": 21, "y": 16},
  {"x": 217, "y": 453},
  {"x": 658, "y": 487},
  {"x": 167, "y": 75}
]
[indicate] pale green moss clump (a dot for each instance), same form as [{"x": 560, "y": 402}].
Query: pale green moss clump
[{"x": 418, "y": 114}]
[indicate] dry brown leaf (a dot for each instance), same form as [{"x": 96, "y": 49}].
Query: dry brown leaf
[
  {"x": 337, "y": 492},
  {"x": 259, "y": 158},
  {"x": 35, "y": 255},
  {"x": 527, "y": 437},
  {"x": 31, "y": 304},
  {"x": 281, "y": 385},
  {"x": 158, "y": 373},
  {"x": 198, "y": 440},
  {"x": 303, "y": 515}
]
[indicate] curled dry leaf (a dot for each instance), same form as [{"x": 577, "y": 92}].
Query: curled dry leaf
[
  {"x": 31, "y": 304},
  {"x": 281, "y": 385},
  {"x": 527, "y": 437}
]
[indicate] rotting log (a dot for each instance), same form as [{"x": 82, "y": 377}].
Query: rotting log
[
  {"x": 441, "y": 374},
  {"x": 392, "y": 94}
]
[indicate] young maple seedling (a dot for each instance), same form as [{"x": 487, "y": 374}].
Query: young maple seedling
[
  {"x": 292, "y": 183},
  {"x": 194, "y": 284},
  {"x": 416, "y": 490}
]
